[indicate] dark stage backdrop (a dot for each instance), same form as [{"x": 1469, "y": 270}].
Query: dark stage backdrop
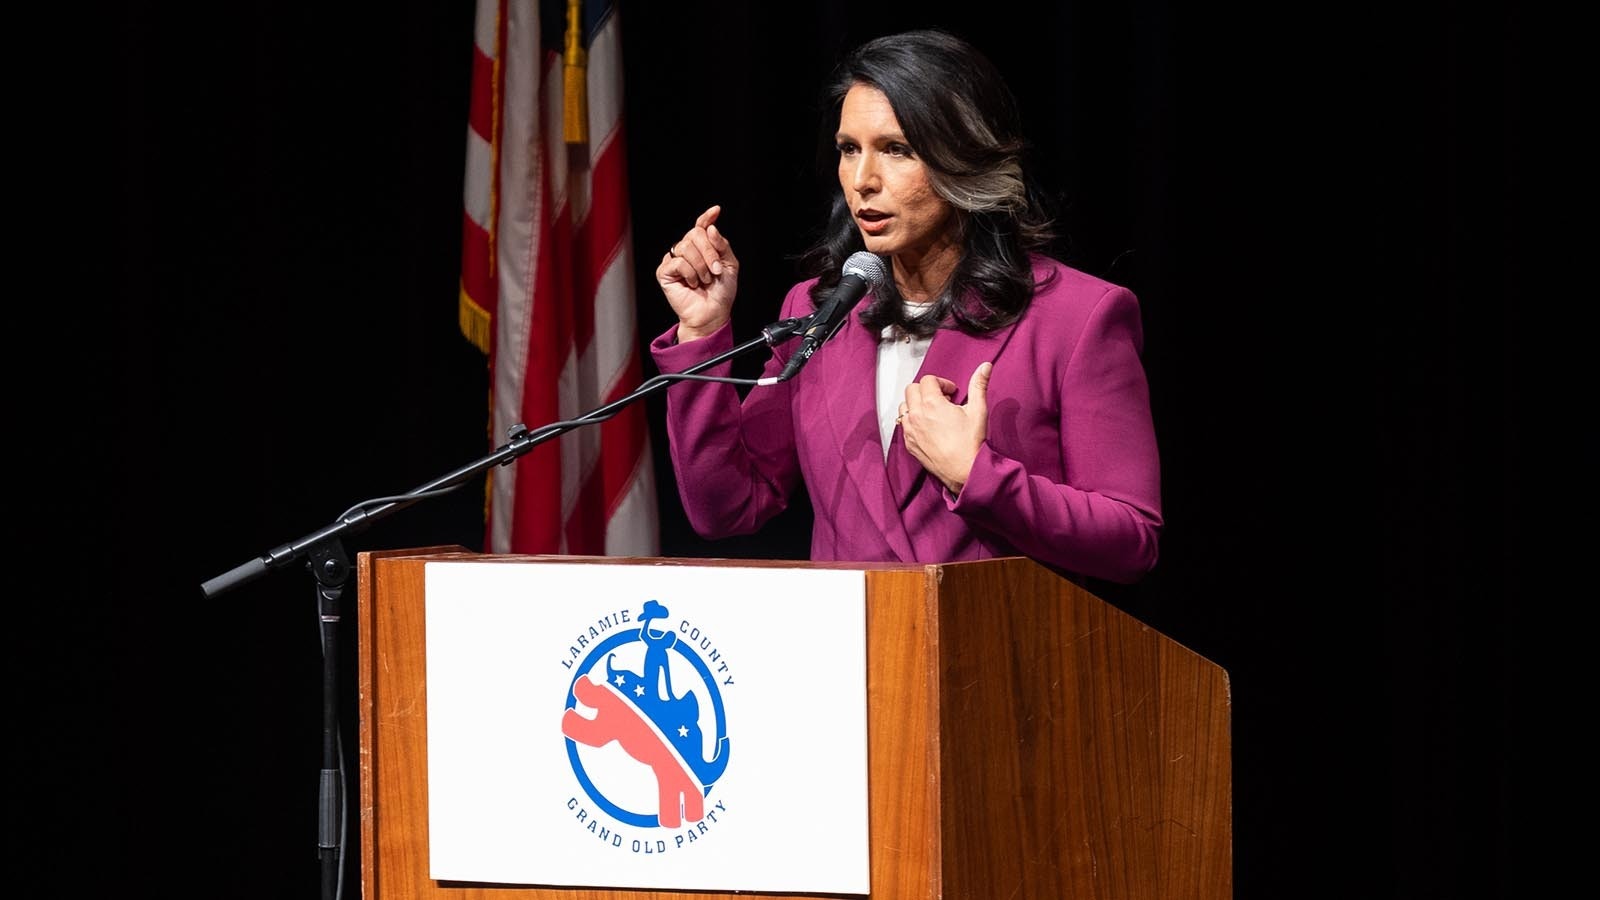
[{"x": 1321, "y": 218}]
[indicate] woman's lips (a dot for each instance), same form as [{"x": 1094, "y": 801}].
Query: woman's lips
[{"x": 873, "y": 222}]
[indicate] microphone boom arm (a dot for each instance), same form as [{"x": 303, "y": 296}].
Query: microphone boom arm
[
  {"x": 326, "y": 560},
  {"x": 519, "y": 442}
]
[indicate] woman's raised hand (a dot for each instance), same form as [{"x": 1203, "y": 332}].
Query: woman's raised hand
[{"x": 700, "y": 277}]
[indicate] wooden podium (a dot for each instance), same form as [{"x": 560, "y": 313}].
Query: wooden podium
[{"x": 1025, "y": 740}]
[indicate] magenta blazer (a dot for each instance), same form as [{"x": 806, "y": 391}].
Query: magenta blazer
[{"x": 1068, "y": 474}]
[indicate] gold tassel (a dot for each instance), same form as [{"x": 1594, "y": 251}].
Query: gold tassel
[
  {"x": 474, "y": 321},
  {"x": 575, "y": 109}
]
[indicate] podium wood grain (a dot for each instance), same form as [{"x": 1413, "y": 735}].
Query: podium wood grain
[{"x": 1025, "y": 740}]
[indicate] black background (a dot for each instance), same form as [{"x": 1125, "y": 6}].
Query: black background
[{"x": 1322, "y": 215}]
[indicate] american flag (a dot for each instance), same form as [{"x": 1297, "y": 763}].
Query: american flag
[{"x": 547, "y": 287}]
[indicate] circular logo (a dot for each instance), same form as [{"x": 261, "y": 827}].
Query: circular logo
[{"x": 646, "y": 732}]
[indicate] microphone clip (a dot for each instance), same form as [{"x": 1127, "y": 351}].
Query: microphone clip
[{"x": 783, "y": 329}]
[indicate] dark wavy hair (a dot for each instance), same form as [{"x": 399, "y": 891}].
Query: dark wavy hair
[{"x": 961, "y": 120}]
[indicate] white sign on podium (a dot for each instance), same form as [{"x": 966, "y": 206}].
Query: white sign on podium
[{"x": 634, "y": 726}]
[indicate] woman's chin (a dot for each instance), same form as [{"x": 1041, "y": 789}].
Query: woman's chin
[{"x": 880, "y": 244}]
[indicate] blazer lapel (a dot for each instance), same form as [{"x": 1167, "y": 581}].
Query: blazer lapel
[
  {"x": 953, "y": 355},
  {"x": 845, "y": 370}
]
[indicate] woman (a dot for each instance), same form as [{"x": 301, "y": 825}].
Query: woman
[{"x": 986, "y": 401}]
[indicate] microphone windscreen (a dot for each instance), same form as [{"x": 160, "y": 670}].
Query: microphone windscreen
[{"x": 868, "y": 266}]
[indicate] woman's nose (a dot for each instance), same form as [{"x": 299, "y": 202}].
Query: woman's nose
[{"x": 865, "y": 176}]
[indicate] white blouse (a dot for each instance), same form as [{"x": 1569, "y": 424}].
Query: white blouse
[{"x": 899, "y": 358}]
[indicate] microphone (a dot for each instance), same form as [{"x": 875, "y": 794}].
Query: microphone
[{"x": 863, "y": 271}]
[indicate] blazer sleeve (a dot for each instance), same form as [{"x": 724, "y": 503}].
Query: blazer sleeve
[
  {"x": 1103, "y": 519},
  {"x": 735, "y": 461}
]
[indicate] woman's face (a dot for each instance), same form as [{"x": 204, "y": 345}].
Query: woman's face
[{"x": 885, "y": 184}]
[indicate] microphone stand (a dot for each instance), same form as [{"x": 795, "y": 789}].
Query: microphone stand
[{"x": 325, "y": 557}]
